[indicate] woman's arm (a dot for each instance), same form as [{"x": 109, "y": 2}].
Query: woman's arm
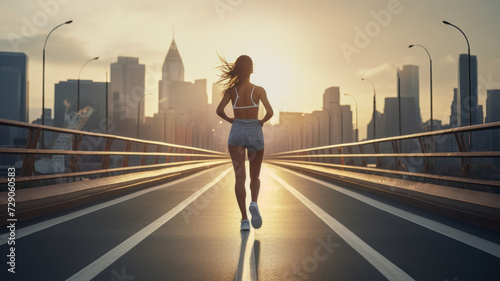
[
  {"x": 220, "y": 109},
  {"x": 267, "y": 106}
]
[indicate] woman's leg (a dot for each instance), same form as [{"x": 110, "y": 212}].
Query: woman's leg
[
  {"x": 255, "y": 159},
  {"x": 238, "y": 157}
]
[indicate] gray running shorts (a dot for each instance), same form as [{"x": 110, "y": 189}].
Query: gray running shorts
[{"x": 247, "y": 133}]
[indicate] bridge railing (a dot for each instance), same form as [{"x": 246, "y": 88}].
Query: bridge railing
[
  {"x": 443, "y": 156},
  {"x": 88, "y": 155}
]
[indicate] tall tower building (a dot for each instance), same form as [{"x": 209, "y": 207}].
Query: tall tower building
[
  {"x": 410, "y": 88},
  {"x": 126, "y": 94},
  {"x": 463, "y": 91},
  {"x": 391, "y": 117},
  {"x": 331, "y": 96},
  {"x": 172, "y": 70},
  {"x": 13, "y": 94},
  {"x": 492, "y": 105},
  {"x": 493, "y": 115},
  {"x": 347, "y": 133}
]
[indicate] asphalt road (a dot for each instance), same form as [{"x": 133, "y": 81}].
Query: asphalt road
[{"x": 188, "y": 229}]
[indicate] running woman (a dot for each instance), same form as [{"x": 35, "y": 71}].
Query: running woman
[{"x": 246, "y": 130}]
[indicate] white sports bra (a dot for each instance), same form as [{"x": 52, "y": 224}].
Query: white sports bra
[{"x": 251, "y": 98}]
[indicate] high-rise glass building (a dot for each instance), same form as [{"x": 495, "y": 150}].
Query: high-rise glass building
[
  {"x": 126, "y": 92},
  {"x": 332, "y": 95},
  {"x": 391, "y": 117},
  {"x": 13, "y": 94},
  {"x": 410, "y": 89},
  {"x": 463, "y": 91},
  {"x": 493, "y": 115}
]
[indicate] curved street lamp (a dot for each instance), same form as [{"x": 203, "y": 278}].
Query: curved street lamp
[
  {"x": 470, "y": 87},
  {"x": 430, "y": 64},
  {"x": 374, "y": 108},
  {"x": 78, "y": 86},
  {"x": 43, "y": 75}
]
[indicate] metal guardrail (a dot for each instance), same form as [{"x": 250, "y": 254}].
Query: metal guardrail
[
  {"x": 355, "y": 156},
  {"x": 159, "y": 154}
]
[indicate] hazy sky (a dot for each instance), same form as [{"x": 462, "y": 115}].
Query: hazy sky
[{"x": 299, "y": 48}]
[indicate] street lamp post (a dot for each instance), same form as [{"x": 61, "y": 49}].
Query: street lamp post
[
  {"x": 470, "y": 86},
  {"x": 399, "y": 97},
  {"x": 43, "y": 76},
  {"x": 78, "y": 86},
  {"x": 356, "y": 103},
  {"x": 341, "y": 122},
  {"x": 374, "y": 108},
  {"x": 430, "y": 64}
]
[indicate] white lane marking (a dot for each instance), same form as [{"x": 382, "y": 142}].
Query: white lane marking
[
  {"x": 383, "y": 265},
  {"x": 22, "y": 232},
  {"x": 466, "y": 238},
  {"x": 246, "y": 270},
  {"x": 96, "y": 267}
]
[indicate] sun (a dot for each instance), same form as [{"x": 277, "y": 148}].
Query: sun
[{"x": 273, "y": 74}]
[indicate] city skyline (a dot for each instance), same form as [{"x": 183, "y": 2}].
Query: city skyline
[{"x": 286, "y": 53}]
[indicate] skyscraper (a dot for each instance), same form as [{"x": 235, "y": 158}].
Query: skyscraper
[
  {"x": 463, "y": 91},
  {"x": 172, "y": 70},
  {"x": 492, "y": 105},
  {"x": 493, "y": 115},
  {"x": 347, "y": 133},
  {"x": 13, "y": 94},
  {"x": 391, "y": 117},
  {"x": 410, "y": 88},
  {"x": 126, "y": 94},
  {"x": 332, "y": 95}
]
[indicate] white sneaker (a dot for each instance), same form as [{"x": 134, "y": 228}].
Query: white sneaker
[
  {"x": 256, "y": 218},
  {"x": 245, "y": 225}
]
